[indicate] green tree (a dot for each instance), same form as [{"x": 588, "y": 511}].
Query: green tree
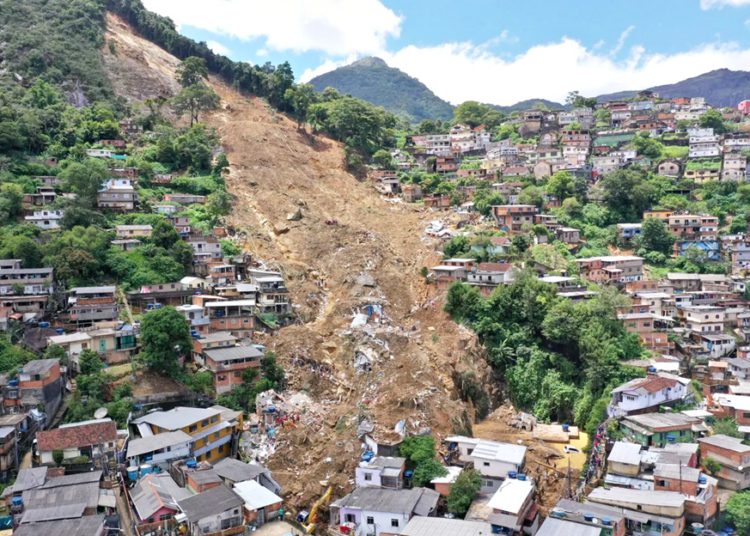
[
  {"x": 164, "y": 234},
  {"x": 84, "y": 179},
  {"x": 419, "y": 452},
  {"x": 656, "y": 237},
  {"x": 727, "y": 427},
  {"x": 24, "y": 248},
  {"x": 738, "y": 508},
  {"x": 576, "y": 100},
  {"x": 471, "y": 113},
  {"x": 464, "y": 490},
  {"x": 647, "y": 146},
  {"x": 300, "y": 98},
  {"x": 90, "y": 362},
  {"x": 713, "y": 119},
  {"x": 192, "y": 71},
  {"x": 165, "y": 336},
  {"x": 194, "y": 100},
  {"x": 711, "y": 465},
  {"x": 382, "y": 159},
  {"x": 11, "y": 202},
  {"x": 561, "y": 185},
  {"x": 628, "y": 192}
]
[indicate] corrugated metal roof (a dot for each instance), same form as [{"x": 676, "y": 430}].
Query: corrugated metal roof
[
  {"x": 560, "y": 527},
  {"x": 177, "y": 418},
  {"x": 440, "y": 526},
  {"x": 210, "y": 503},
  {"x": 83, "y": 526},
  {"x": 143, "y": 445}
]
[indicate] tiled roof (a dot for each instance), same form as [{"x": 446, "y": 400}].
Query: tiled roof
[{"x": 84, "y": 435}]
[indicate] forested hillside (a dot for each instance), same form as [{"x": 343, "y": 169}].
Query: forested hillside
[{"x": 371, "y": 79}]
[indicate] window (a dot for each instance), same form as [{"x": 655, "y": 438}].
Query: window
[
  {"x": 193, "y": 427},
  {"x": 368, "y": 476},
  {"x": 486, "y": 464},
  {"x": 349, "y": 518},
  {"x": 394, "y": 523},
  {"x": 204, "y": 422},
  {"x": 370, "y": 520}
]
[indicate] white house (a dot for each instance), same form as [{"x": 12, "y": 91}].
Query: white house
[
  {"x": 381, "y": 472},
  {"x": 492, "y": 459},
  {"x": 644, "y": 393},
  {"x": 45, "y": 219},
  {"x": 159, "y": 449},
  {"x": 376, "y": 511}
]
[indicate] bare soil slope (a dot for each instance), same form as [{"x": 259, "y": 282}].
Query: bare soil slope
[{"x": 350, "y": 248}]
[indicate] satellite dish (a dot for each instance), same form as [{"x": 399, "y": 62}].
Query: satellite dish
[{"x": 100, "y": 413}]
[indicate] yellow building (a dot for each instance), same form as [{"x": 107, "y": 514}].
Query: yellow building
[{"x": 212, "y": 429}]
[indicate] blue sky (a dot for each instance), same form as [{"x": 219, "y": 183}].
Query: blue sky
[{"x": 498, "y": 51}]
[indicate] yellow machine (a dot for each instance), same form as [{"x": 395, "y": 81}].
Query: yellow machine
[{"x": 313, "y": 517}]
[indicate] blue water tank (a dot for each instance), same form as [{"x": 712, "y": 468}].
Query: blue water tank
[
  {"x": 566, "y": 427},
  {"x": 17, "y": 501},
  {"x": 521, "y": 476},
  {"x": 146, "y": 469},
  {"x": 606, "y": 521},
  {"x": 408, "y": 473},
  {"x": 43, "y": 324},
  {"x": 671, "y": 438},
  {"x": 59, "y": 331},
  {"x": 367, "y": 455},
  {"x": 588, "y": 517},
  {"x": 133, "y": 473},
  {"x": 702, "y": 479},
  {"x": 512, "y": 474},
  {"x": 191, "y": 464}
]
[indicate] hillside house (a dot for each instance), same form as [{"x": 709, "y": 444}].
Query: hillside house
[
  {"x": 381, "y": 472},
  {"x": 97, "y": 440},
  {"x": 377, "y": 511},
  {"x": 624, "y": 459},
  {"x": 734, "y": 167},
  {"x": 133, "y": 231},
  {"x": 229, "y": 364},
  {"x": 261, "y": 504},
  {"x": 733, "y": 456},
  {"x": 39, "y": 386},
  {"x": 218, "y": 511},
  {"x": 87, "y": 305},
  {"x": 645, "y": 511},
  {"x": 513, "y": 510},
  {"x": 160, "y": 449},
  {"x": 627, "y": 231},
  {"x": 118, "y": 195},
  {"x": 488, "y": 275},
  {"x": 659, "y": 429},
  {"x": 15, "y": 280},
  {"x": 44, "y": 195},
  {"x": 235, "y": 316},
  {"x": 212, "y": 434},
  {"x": 45, "y": 220},
  {"x": 669, "y": 168},
  {"x": 155, "y": 500},
  {"x": 492, "y": 459},
  {"x": 512, "y": 218},
  {"x": 583, "y": 519},
  {"x": 644, "y": 394},
  {"x": 614, "y": 268},
  {"x": 184, "y": 199}
]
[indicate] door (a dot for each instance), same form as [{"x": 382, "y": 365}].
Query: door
[{"x": 261, "y": 516}]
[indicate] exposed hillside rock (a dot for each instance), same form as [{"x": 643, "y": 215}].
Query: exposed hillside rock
[{"x": 371, "y": 79}]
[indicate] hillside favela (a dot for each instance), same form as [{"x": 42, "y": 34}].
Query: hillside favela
[{"x": 374, "y": 268}]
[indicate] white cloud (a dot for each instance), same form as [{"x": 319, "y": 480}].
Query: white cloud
[
  {"x": 464, "y": 71},
  {"x": 621, "y": 41},
  {"x": 328, "y": 65},
  {"x": 218, "y": 48},
  {"x": 336, "y": 27},
  {"x": 711, "y": 4}
]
